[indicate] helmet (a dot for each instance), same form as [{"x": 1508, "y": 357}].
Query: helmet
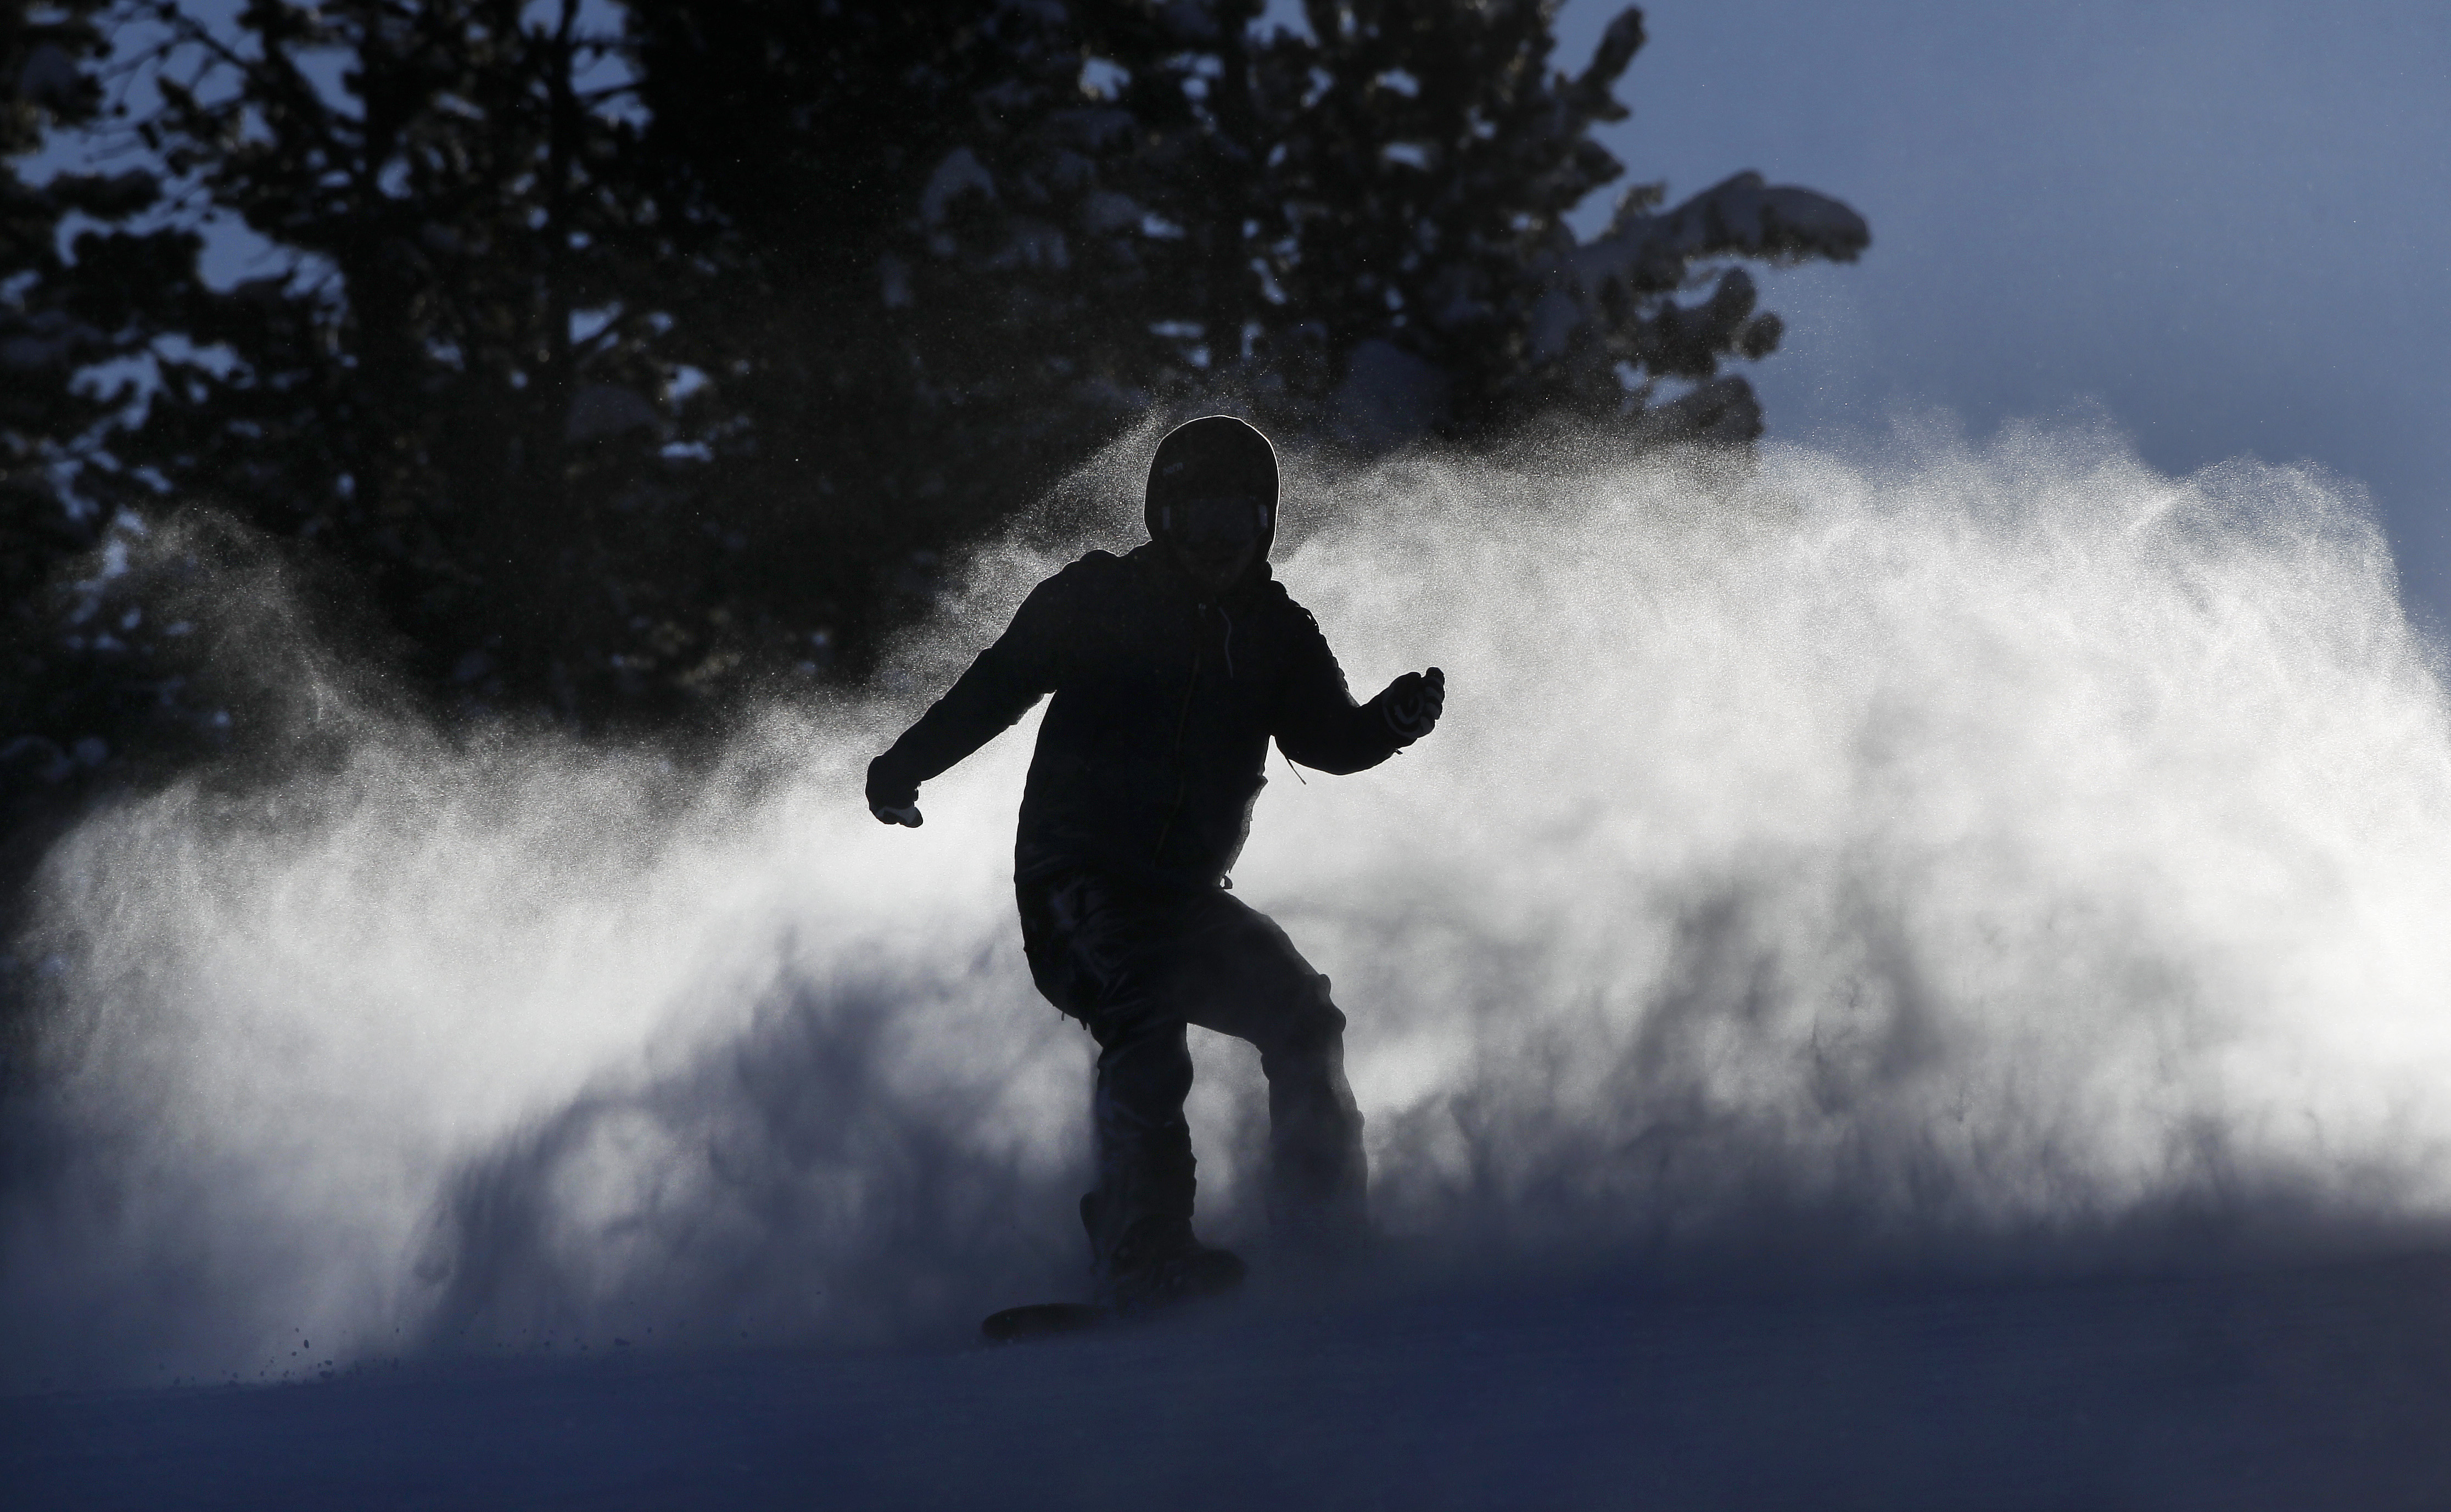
[{"x": 1216, "y": 454}]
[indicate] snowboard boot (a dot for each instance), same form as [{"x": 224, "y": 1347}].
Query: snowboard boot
[{"x": 1157, "y": 1262}]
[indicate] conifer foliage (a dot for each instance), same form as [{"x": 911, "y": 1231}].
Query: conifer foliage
[
  {"x": 83, "y": 290},
  {"x": 610, "y": 361},
  {"x": 444, "y": 382}
]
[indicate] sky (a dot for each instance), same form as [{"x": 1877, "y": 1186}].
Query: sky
[{"x": 2224, "y": 226}]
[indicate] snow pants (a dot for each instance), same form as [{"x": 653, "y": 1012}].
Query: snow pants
[{"x": 1136, "y": 964}]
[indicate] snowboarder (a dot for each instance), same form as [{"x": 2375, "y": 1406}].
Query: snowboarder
[{"x": 1171, "y": 667}]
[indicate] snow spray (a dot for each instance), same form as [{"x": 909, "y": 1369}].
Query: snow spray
[{"x": 1951, "y": 856}]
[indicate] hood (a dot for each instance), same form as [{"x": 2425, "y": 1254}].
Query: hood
[{"x": 1214, "y": 454}]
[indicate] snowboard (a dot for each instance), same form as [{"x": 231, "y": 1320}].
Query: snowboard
[
  {"x": 1041, "y": 1320},
  {"x": 1186, "y": 1279}
]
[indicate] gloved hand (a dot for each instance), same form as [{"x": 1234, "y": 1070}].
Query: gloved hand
[
  {"x": 892, "y": 800},
  {"x": 1412, "y": 703}
]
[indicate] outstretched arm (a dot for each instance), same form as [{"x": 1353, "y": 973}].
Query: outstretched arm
[
  {"x": 1320, "y": 725},
  {"x": 984, "y": 703}
]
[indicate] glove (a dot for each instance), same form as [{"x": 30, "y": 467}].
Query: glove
[
  {"x": 1412, "y": 704},
  {"x": 893, "y": 799}
]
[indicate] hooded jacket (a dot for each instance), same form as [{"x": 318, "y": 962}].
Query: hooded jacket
[{"x": 1166, "y": 698}]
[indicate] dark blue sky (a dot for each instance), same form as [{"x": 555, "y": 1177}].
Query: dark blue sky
[{"x": 2227, "y": 227}]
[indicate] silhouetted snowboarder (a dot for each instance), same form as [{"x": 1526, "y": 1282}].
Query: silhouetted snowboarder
[{"x": 1171, "y": 667}]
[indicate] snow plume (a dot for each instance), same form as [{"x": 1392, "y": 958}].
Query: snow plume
[{"x": 1947, "y": 856}]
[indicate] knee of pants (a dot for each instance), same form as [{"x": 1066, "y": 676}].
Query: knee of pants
[{"x": 1147, "y": 1059}]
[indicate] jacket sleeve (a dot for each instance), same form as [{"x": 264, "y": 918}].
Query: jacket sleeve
[
  {"x": 984, "y": 701},
  {"x": 1318, "y": 723}
]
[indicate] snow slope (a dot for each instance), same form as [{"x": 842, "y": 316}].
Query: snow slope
[{"x": 2279, "y": 1389}]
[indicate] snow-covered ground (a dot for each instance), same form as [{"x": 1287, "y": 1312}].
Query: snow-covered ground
[{"x": 2287, "y": 1389}]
